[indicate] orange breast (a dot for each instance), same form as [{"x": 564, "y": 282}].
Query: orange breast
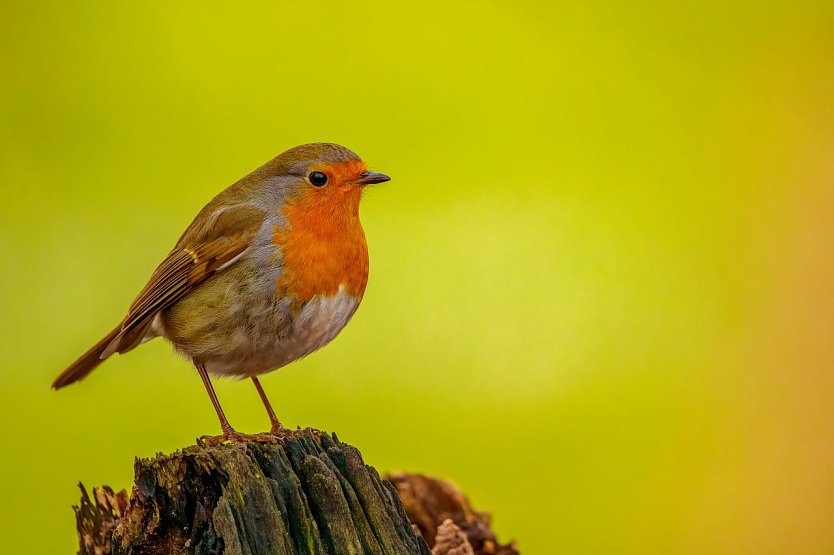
[{"x": 323, "y": 245}]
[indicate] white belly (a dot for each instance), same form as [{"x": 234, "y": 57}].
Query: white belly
[{"x": 281, "y": 337}]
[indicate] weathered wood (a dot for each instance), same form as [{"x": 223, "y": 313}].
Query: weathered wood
[
  {"x": 446, "y": 518},
  {"x": 96, "y": 518},
  {"x": 302, "y": 493}
]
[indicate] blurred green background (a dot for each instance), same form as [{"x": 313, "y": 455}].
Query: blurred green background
[{"x": 602, "y": 280}]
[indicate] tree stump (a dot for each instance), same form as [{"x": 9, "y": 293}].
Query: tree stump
[{"x": 303, "y": 492}]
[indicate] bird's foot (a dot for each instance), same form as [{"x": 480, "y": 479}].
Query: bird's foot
[
  {"x": 233, "y": 436},
  {"x": 256, "y": 438}
]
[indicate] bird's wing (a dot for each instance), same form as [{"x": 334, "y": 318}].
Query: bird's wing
[{"x": 210, "y": 244}]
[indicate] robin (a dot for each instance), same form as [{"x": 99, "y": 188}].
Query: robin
[{"x": 272, "y": 269}]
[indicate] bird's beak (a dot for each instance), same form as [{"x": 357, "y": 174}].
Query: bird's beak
[{"x": 369, "y": 178}]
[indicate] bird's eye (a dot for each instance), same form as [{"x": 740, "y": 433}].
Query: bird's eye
[{"x": 318, "y": 179}]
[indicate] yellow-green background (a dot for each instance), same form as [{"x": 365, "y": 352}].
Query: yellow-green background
[{"x": 602, "y": 282}]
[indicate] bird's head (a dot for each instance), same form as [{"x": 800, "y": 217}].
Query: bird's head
[{"x": 324, "y": 175}]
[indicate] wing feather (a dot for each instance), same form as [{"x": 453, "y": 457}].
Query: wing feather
[{"x": 200, "y": 253}]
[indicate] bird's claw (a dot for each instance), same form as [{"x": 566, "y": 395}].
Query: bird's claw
[{"x": 234, "y": 436}]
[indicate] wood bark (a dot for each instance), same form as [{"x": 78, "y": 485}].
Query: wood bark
[{"x": 303, "y": 492}]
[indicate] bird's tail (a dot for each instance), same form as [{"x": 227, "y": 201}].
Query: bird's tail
[{"x": 87, "y": 362}]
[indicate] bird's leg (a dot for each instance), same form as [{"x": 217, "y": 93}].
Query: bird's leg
[
  {"x": 276, "y": 425},
  {"x": 228, "y": 431}
]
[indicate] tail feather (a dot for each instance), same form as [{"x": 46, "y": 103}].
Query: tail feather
[{"x": 87, "y": 362}]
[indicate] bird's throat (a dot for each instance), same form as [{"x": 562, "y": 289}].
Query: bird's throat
[{"x": 323, "y": 246}]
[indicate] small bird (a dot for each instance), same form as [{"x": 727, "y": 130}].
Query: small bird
[{"x": 270, "y": 270}]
